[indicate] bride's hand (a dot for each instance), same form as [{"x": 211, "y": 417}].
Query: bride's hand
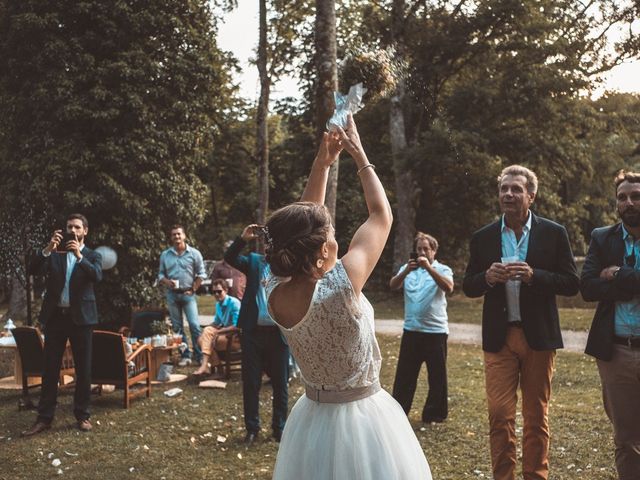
[
  {"x": 350, "y": 140},
  {"x": 330, "y": 148}
]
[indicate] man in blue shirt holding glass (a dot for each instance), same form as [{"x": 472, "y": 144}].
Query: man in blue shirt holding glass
[
  {"x": 426, "y": 329},
  {"x": 611, "y": 275},
  {"x": 182, "y": 271},
  {"x": 213, "y": 338}
]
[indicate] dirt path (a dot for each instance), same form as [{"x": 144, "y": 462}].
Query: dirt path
[{"x": 471, "y": 334}]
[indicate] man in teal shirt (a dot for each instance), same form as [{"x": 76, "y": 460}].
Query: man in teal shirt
[
  {"x": 611, "y": 275},
  {"x": 225, "y": 321},
  {"x": 424, "y": 339}
]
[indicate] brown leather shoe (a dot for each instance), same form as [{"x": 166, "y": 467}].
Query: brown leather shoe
[
  {"x": 84, "y": 425},
  {"x": 37, "y": 428}
]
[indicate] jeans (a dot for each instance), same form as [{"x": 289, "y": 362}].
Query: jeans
[{"x": 178, "y": 304}]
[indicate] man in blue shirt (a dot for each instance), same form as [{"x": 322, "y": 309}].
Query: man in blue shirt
[
  {"x": 424, "y": 339},
  {"x": 263, "y": 346},
  {"x": 519, "y": 264},
  {"x": 182, "y": 271},
  {"x": 611, "y": 275},
  {"x": 225, "y": 321}
]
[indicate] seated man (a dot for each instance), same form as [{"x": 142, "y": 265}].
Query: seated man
[{"x": 225, "y": 321}]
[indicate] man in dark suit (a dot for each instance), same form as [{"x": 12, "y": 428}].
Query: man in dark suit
[
  {"x": 68, "y": 313},
  {"x": 519, "y": 264},
  {"x": 263, "y": 347},
  {"x": 611, "y": 275}
]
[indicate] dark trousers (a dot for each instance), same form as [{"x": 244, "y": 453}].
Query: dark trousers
[
  {"x": 58, "y": 329},
  {"x": 264, "y": 350},
  {"x": 416, "y": 348}
]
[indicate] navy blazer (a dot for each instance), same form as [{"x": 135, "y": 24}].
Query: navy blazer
[
  {"x": 605, "y": 249},
  {"x": 82, "y": 298},
  {"x": 554, "y": 273},
  {"x": 250, "y": 266}
]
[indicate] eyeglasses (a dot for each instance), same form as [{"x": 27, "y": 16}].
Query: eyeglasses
[{"x": 215, "y": 292}]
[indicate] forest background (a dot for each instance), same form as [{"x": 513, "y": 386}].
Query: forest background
[{"x": 128, "y": 111}]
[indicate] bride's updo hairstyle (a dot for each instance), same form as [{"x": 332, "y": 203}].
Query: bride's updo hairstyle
[{"x": 294, "y": 235}]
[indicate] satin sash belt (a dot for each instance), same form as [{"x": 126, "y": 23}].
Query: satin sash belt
[{"x": 341, "y": 396}]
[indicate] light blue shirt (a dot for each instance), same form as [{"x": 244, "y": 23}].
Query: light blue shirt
[
  {"x": 72, "y": 261},
  {"x": 227, "y": 312},
  {"x": 627, "y": 319},
  {"x": 184, "y": 268},
  {"x": 512, "y": 247},
  {"x": 425, "y": 304},
  {"x": 264, "y": 318}
]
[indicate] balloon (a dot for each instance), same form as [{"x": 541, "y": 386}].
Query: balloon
[{"x": 109, "y": 257}]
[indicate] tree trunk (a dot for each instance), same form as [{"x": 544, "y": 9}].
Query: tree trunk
[
  {"x": 326, "y": 66},
  {"x": 262, "y": 136},
  {"x": 405, "y": 185},
  {"x": 17, "y": 301}
]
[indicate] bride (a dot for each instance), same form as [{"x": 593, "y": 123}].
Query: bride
[{"x": 345, "y": 426}]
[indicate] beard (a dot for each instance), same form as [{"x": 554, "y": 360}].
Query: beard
[{"x": 630, "y": 217}]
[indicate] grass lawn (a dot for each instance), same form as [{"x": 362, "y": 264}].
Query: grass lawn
[{"x": 182, "y": 437}]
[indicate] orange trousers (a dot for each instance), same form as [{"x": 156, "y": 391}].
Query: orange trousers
[
  {"x": 210, "y": 341},
  {"x": 518, "y": 364}
]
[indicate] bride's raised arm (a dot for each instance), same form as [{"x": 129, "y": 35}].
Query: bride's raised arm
[
  {"x": 370, "y": 238},
  {"x": 329, "y": 151}
]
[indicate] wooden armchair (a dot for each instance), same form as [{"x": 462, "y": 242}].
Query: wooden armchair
[
  {"x": 31, "y": 355},
  {"x": 231, "y": 357},
  {"x": 111, "y": 365}
]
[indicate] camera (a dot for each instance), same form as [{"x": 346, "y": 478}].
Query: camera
[
  {"x": 413, "y": 256},
  {"x": 66, "y": 237}
]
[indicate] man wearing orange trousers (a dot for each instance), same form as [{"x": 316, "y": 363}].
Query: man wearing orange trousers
[{"x": 519, "y": 264}]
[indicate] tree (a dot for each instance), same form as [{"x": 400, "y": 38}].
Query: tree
[
  {"x": 111, "y": 109},
  {"x": 327, "y": 83},
  {"x": 277, "y": 51}
]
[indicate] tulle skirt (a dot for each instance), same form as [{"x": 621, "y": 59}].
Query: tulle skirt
[{"x": 368, "y": 439}]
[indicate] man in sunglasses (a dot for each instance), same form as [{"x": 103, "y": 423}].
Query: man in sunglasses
[{"x": 213, "y": 337}]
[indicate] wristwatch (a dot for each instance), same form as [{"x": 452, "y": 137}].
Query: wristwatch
[{"x": 615, "y": 274}]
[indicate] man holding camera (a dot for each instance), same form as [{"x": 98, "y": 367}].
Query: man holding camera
[
  {"x": 424, "y": 338},
  {"x": 182, "y": 271},
  {"x": 263, "y": 346},
  {"x": 68, "y": 313}
]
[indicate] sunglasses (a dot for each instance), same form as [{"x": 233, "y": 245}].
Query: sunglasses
[{"x": 215, "y": 292}]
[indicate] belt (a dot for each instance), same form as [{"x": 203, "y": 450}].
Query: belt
[
  {"x": 266, "y": 328},
  {"x": 341, "y": 396},
  {"x": 64, "y": 310},
  {"x": 631, "y": 342},
  {"x": 515, "y": 324}
]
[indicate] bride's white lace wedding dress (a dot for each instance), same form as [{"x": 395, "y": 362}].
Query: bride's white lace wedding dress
[{"x": 345, "y": 427}]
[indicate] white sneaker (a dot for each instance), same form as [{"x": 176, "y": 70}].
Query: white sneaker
[{"x": 184, "y": 362}]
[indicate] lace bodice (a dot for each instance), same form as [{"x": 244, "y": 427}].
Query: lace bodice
[{"x": 334, "y": 344}]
